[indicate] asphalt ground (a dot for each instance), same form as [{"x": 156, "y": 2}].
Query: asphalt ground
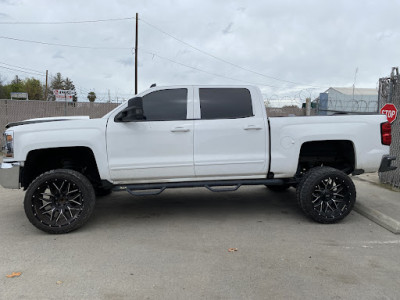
[{"x": 175, "y": 246}]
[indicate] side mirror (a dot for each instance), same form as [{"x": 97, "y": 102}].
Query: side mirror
[{"x": 133, "y": 112}]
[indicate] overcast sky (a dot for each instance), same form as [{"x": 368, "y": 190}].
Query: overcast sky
[{"x": 307, "y": 45}]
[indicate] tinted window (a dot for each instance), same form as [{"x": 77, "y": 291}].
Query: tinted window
[
  {"x": 165, "y": 105},
  {"x": 225, "y": 103}
]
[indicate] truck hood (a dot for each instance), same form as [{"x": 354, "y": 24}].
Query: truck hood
[{"x": 43, "y": 120}]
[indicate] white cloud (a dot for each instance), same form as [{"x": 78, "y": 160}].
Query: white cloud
[{"x": 318, "y": 43}]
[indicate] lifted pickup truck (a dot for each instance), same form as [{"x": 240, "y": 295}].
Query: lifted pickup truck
[{"x": 218, "y": 137}]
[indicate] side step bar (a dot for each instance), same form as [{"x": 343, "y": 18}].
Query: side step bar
[{"x": 214, "y": 186}]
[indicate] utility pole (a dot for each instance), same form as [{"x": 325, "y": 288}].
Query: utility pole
[
  {"x": 136, "y": 50},
  {"x": 45, "y": 91},
  {"x": 109, "y": 97},
  {"x": 65, "y": 107},
  {"x": 308, "y": 106}
]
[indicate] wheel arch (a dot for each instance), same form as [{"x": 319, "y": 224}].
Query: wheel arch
[
  {"x": 338, "y": 154},
  {"x": 39, "y": 161}
]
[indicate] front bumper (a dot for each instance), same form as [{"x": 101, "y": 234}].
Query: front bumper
[
  {"x": 9, "y": 175},
  {"x": 385, "y": 163}
]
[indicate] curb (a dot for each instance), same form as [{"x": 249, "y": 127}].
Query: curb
[
  {"x": 379, "y": 184},
  {"x": 378, "y": 217}
]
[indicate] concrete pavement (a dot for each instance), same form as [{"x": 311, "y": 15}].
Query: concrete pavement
[
  {"x": 175, "y": 246},
  {"x": 378, "y": 202}
]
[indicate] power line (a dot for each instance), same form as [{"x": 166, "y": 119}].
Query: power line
[
  {"x": 146, "y": 51},
  {"x": 204, "y": 71},
  {"x": 66, "y": 22},
  {"x": 12, "y": 69},
  {"x": 83, "y": 90},
  {"x": 151, "y": 53},
  {"x": 207, "y": 72},
  {"x": 120, "y": 48},
  {"x": 62, "y": 45},
  {"x": 221, "y": 59},
  {"x": 24, "y": 68}
]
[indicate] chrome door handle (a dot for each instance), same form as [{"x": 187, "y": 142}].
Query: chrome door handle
[
  {"x": 180, "y": 129},
  {"x": 253, "y": 127}
]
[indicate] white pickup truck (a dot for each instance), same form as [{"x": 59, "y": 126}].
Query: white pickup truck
[{"x": 218, "y": 137}]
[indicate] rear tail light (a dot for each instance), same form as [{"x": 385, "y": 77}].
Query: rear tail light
[{"x": 386, "y": 133}]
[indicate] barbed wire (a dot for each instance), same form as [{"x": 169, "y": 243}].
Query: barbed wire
[{"x": 338, "y": 103}]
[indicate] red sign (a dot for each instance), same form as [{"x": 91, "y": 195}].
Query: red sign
[
  {"x": 64, "y": 95},
  {"x": 390, "y": 111}
]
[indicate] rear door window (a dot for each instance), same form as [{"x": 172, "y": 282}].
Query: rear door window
[{"x": 225, "y": 103}]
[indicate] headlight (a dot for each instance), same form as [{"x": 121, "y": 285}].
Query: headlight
[{"x": 8, "y": 144}]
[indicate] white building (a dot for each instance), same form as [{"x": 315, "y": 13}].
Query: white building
[{"x": 347, "y": 99}]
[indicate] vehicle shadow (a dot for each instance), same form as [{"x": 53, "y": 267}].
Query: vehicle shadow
[{"x": 256, "y": 202}]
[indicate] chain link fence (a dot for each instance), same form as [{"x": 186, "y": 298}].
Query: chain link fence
[
  {"x": 335, "y": 104},
  {"x": 389, "y": 92},
  {"x": 18, "y": 110}
]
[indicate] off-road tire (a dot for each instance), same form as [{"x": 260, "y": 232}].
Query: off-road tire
[
  {"x": 326, "y": 195},
  {"x": 300, "y": 185},
  {"x": 63, "y": 195}
]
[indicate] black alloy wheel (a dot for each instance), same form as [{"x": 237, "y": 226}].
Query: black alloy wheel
[
  {"x": 327, "y": 195},
  {"x": 59, "y": 201}
]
